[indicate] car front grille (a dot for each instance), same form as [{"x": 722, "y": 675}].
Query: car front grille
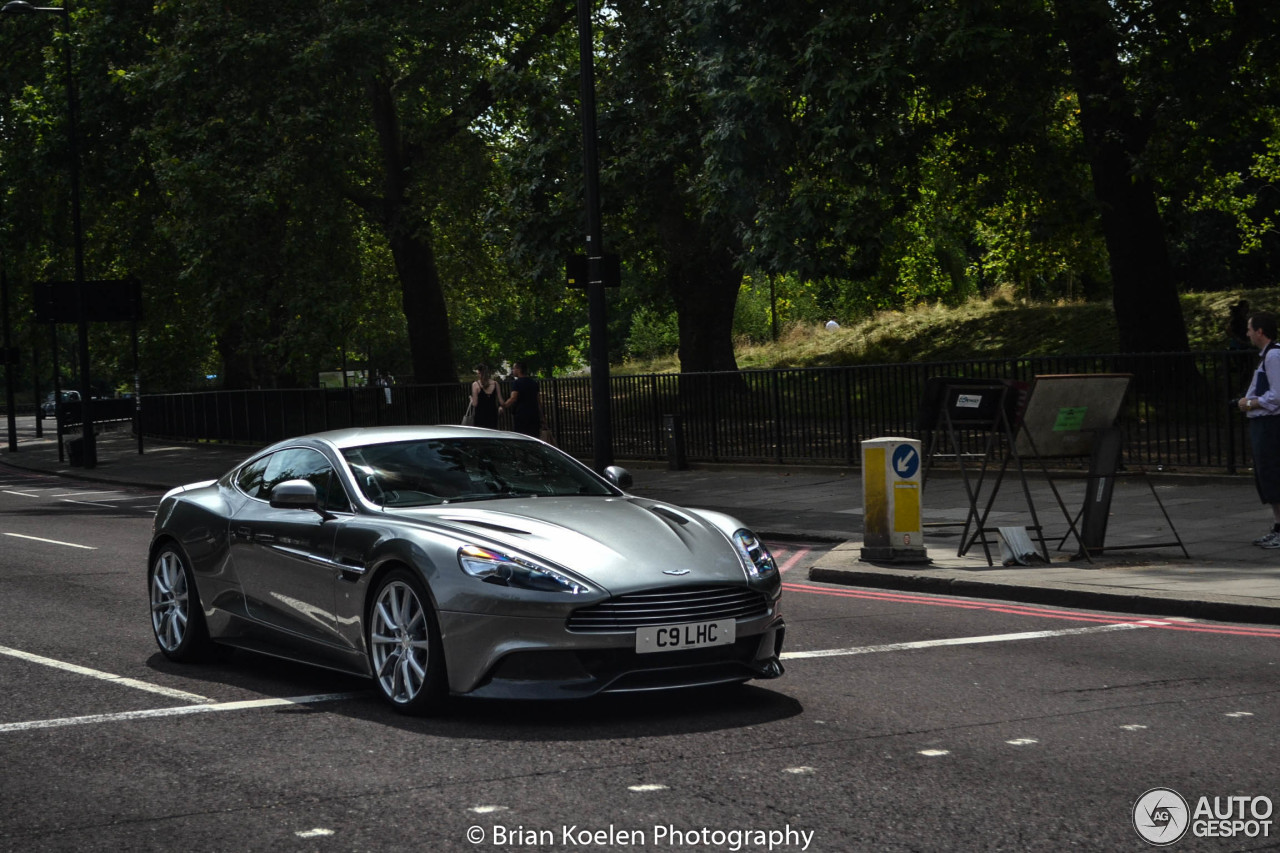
[{"x": 669, "y": 607}]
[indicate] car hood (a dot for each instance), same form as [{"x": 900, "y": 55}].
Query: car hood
[{"x": 620, "y": 543}]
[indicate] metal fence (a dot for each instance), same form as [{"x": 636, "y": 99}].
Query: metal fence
[{"x": 1176, "y": 413}]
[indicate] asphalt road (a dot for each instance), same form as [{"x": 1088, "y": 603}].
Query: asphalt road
[{"x": 904, "y": 722}]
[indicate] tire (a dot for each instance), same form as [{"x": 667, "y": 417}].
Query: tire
[
  {"x": 177, "y": 620},
  {"x": 405, "y": 653}
]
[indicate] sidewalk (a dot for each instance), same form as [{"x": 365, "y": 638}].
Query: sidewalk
[{"x": 1224, "y": 578}]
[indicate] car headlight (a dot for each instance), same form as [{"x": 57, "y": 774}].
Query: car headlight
[
  {"x": 755, "y": 556},
  {"x": 507, "y": 570}
]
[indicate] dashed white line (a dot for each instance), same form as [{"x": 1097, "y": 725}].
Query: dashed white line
[
  {"x": 964, "y": 641},
  {"x": 51, "y": 541}
]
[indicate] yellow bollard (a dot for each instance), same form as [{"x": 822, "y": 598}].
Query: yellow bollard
[{"x": 892, "y": 529}]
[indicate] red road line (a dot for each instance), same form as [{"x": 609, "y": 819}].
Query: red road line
[
  {"x": 1021, "y": 610},
  {"x": 795, "y": 558}
]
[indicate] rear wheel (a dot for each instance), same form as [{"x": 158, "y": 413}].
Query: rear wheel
[
  {"x": 405, "y": 654},
  {"x": 177, "y": 620}
]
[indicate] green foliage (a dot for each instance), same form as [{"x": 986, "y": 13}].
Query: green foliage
[
  {"x": 310, "y": 182},
  {"x": 652, "y": 334},
  {"x": 1242, "y": 195}
]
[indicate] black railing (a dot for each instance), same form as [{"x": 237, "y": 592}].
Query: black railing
[
  {"x": 108, "y": 410},
  {"x": 1176, "y": 414}
]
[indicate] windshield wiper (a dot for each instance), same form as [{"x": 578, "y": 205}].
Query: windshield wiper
[{"x": 491, "y": 497}]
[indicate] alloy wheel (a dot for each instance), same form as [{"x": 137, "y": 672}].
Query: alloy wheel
[
  {"x": 400, "y": 642},
  {"x": 170, "y": 601}
]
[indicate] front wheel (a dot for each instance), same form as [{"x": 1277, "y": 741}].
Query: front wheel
[
  {"x": 405, "y": 654},
  {"x": 176, "y": 617}
]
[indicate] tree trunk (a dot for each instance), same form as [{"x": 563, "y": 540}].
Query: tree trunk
[
  {"x": 422, "y": 296},
  {"x": 1144, "y": 293},
  {"x": 430, "y": 336},
  {"x": 705, "y": 295},
  {"x": 703, "y": 282}
]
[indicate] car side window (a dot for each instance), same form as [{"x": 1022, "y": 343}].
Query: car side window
[
  {"x": 249, "y": 480},
  {"x": 298, "y": 463}
]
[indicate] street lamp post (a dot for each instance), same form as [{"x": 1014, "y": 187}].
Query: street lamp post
[
  {"x": 8, "y": 362},
  {"x": 597, "y": 316},
  {"x": 89, "y": 454}
]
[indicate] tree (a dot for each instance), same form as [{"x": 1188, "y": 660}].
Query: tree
[{"x": 1144, "y": 291}]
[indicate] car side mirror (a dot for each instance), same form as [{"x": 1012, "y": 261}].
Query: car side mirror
[
  {"x": 620, "y": 477},
  {"x": 294, "y": 494}
]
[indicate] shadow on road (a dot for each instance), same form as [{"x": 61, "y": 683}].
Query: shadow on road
[{"x": 607, "y": 717}]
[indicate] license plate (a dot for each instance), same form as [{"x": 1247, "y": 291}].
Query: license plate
[{"x": 691, "y": 635}]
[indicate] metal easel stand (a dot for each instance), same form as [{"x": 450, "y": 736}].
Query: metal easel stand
[
  {"x": 970, "y": 402},
  {"x": 981, "y": 530},
  {"x": 1104, "y": 470},
  {"x": 959, "y": 455}
]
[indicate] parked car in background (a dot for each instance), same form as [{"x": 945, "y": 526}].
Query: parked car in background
[
  {"x": 465, "y": 561},
  {"x": 49, "y": 407}
]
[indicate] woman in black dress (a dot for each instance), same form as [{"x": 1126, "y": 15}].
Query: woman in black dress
[{"x": 486, "y": 397}]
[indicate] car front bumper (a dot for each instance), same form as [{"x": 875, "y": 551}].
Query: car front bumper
[{"x": 523, "y": 658}]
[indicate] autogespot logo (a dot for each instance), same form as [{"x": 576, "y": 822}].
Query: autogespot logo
[{"x": 1161, "y": 816}]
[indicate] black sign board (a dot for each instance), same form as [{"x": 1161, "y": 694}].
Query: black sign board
[
  {"x": 105, "y": 301},
  {"x": 971, "y": 403},
  {"x": 578, "y": 271}
]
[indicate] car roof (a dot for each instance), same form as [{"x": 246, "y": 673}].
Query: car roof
[{"x": 362, "y": 436}]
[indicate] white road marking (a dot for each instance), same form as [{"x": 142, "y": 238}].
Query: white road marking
[
  {"x": 103, "y": 676},
  {"x": 643, "y": 788},
  {"x": 934, "y": 753},
  {"x": 89, "y": 503},
  {"x": 313, "y": 833},
  {"x": 1239, "y": 714},
  {"x": 82, "y": 494},
  {"x": 488, "y": 809},
  {"x": 1133, "y": 727},
  {"x": 51, "y": 541},
  {"x": 180, "y": 711},
  {"x": 20, "y": 494},
  {"x": 964, "y": 641},
  {"x": 799, "y": 771},
  {"x": 1022, "y": 741}
]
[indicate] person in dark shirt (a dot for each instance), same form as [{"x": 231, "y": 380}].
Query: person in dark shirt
[
  {"x": 526, "y": 408},
  {"x": 486, "y": 398}
]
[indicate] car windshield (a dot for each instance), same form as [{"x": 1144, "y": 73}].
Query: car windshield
[{"x": 434, "y": 471}]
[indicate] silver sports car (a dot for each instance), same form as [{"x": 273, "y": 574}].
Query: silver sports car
[{"x": 458, "y": 560}]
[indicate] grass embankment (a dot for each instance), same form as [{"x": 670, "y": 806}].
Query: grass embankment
[{"x": 981, "y": 328}]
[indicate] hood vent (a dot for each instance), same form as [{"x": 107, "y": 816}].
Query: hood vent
[
  {"x": 669, "y": 514},
  {"x": 471, "y": 521}
]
